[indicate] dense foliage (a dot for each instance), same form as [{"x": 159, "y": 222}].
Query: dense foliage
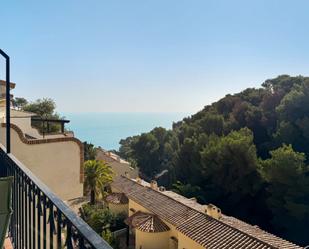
[
  {"x": 103, "y": 222},
  {"x": 247, "y": 153},
  {"x": 90, "y": 151},
  {"x": 19, "y": 103},
  {"x": 45, "y": 108}
]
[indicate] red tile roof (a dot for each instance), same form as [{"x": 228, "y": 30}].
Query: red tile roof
[
  {"x": 146, "y": 222},
  {"x": 165, "y": 207},
  {"x": 226, "y": 232}
]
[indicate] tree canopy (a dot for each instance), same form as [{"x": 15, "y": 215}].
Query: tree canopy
[
  {"x": 90, "y": 151},
  {"x": 247, "y": 153},
  {"x": 288, "y": 186},
  {"x": 97, "y": 176},
  {"x": 44, "y": 108},
  {"x": 19, "y": 103}
]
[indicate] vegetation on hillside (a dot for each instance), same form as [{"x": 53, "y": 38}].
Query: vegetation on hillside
[{"x": 248, "y": 153}]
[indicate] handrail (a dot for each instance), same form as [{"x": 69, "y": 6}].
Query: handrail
[
  {"x": 86, "y": 232},
  {"x": 48, "y": 121},
  {"x": 8, "y": 100},
  {"x": 51, "y": 120}
]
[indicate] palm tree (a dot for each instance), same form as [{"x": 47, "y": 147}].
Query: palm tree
[{"x": 97, "y": 175}]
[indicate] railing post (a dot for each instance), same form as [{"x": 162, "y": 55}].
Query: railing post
[
  {"x": 8, "y": 110},
  {"x": 62, "y": 127},
  {"x": 8, "y": 101}
]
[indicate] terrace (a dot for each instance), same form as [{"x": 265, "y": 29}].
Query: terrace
[{"x": 39, "y": 219}]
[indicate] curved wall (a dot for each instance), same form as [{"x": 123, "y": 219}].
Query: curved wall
[
  {"x": 146, "y": 240},
  {"x": 57, "y": 162}
]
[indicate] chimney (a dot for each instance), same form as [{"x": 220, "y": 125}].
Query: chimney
[
  {"x": 154, "y": 185},
  {"x": 126, "y": 174},
  {"x": 162, "y": 189},
  {"x": 138, "y": 180},
  {"x": 213, "y": 211}
]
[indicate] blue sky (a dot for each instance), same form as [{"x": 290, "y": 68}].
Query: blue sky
[{"x": 150, "y": 56}]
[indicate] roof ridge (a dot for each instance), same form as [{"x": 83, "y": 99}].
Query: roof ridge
[
  {"x": 211, "y": 218},
  {"x": 262, "y": 230},
  {"x": 107, "y": 153},
  {"x": 160, "y": 193}
]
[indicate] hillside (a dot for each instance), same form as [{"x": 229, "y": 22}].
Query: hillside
[{"x": 246, "y": 153}]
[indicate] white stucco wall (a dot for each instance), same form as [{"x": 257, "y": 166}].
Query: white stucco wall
[
  {"x": 184, "y": 242},
  {"x": 57, "y": 164},
  {"x": 144, "y": 240},
  {"x": 23, "y": 121}
]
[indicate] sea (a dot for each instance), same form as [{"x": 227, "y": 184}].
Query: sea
[{"x": 107, "y": 129}]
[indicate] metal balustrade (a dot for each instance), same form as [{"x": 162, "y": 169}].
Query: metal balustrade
[
  {"x": 40, "y": 219},
  {"x": 7, "y": 99}
]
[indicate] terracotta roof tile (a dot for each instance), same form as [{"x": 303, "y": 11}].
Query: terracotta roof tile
[
  {"x": 223, "y": 233},
  {"x": 147, "y": 222},
  {"x": 165, "y": 207}
]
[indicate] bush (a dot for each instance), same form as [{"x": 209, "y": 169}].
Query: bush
[{"x": 100, "y": 218}]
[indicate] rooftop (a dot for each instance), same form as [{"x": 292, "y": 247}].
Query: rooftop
[
  {"x": 189, "y": 218},
  {"x": 109, "y": 156},
  {"x": 3, "y": 83},
  {"x": 146, "y": 222}
]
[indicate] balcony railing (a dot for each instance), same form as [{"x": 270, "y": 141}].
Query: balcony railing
[
  {"x": 40, "y": 219},
  {"x": 45, "y": 124}
]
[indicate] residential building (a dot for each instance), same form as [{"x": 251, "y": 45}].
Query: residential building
[
  {"x": 62, "y": 173},
  {"x": 118, "y": 165},
  {"x": 161, "y": 219},
  {"x": 39, "y": 218}
]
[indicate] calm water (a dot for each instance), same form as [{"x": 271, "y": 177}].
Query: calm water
[{"x": 106, "y": 129}]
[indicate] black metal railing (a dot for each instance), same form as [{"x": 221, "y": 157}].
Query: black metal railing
[
  {"x": 45, "y": 125},
  {"x": 7, "y": 99},
  {"x": 40, "y": 219}
]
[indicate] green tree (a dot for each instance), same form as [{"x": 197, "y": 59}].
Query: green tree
[
  {"x": 103, "y": 221},
  {"x": 19, "y": 103},
  {"x": 146, "y": 154},
  {"x": 97, "y": 175},
  {"x": 155, "y": 151},
  {"x": 212, "y": 123},
  {"x": 90, "y": 151},
  {"x": 188, "y": 190},
  {"x": 187, "y": 168},
  {"x": 125, "y": 150},
  {"x": 45, "y": 108},
  {"x": 288, "y": 189},
  {"x": 230, "y": 171},
  {"x": 214, "y": 150},
  {"x": 108, "y": 236}
]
